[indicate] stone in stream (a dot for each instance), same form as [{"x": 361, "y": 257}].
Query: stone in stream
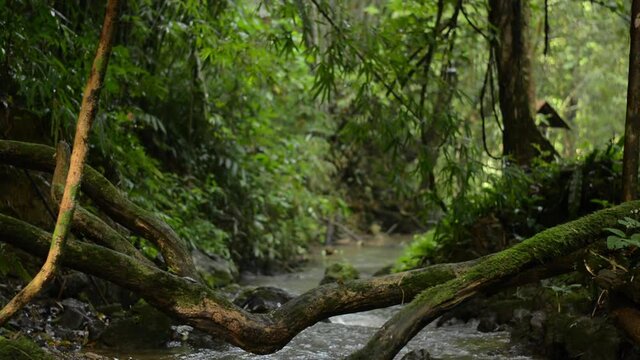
[
  {"x": 215, "y": 270},
  {"x": 262, "y": 299},
  {"x": 143, "y": 327},
  {"x": 420, "y": 354},
  {"x": 339, "y": 272},
  {"x": 73, "y": 315}
]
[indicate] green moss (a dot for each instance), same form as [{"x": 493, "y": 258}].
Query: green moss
[
  {"x": 339, "y": 272},
  {"x": 22, "y": 349}
]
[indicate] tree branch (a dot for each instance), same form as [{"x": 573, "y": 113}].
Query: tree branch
[{"x": 111, "y": 200}]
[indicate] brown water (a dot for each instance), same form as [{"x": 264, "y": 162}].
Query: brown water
[{"x": 347, "y": 333}]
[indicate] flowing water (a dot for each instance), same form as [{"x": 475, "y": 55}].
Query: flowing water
[{"x": 347, "y": 333}]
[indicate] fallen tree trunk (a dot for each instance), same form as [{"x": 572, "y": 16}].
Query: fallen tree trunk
[
  {"x": 539, "y": 249},
  {"x": 203, "y": 308},
  {"x": 111, "y": 200},
  {"x": 206, "y": 310},
  {"x": 193, "y": 303},
  {"x": 84, "y": 222}
]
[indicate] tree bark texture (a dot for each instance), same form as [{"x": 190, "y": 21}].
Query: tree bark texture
[
  {"x": 87, "y": 114},
  {"x": 539, "y": 249},
  {"x": 521, "y": 139},
  {"x": 111, "y": 200},
  {"x": 632, "y": 123}
]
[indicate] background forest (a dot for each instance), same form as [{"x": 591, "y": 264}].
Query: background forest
[
  {"x": 259, "y": 130},
  {"x": 247, "y": 133}
]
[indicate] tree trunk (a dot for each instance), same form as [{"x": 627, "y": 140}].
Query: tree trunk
[
  {"x": 632, "y": 124},
  {"x": 87, "y": 114},
  {"x": 521, "y": 139}
]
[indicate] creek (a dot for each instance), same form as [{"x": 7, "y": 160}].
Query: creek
[{"x": 347, "y": 333}]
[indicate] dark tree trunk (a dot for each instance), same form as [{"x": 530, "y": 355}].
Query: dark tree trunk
[
  {"x": 632, "y": 124},
  {"x": 521, "y": 141}
]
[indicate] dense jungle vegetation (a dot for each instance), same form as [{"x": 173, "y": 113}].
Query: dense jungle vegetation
[{"x": 245, "y": 136}]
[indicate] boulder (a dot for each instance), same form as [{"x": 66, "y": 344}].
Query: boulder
[
  {"x": 262, "y": 299},
  {"x": 420, "y": 354},
  {"x": 143, "y": 327},
  {"x": 215, "y": 270},
  {"x": 339, "y": 272}
]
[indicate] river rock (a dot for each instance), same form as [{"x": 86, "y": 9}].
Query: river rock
[
  {"x": 262, "y": 299},
  {"x": 92, "y": 290},
  {"x": 420, "y": 354},
  {"x": 73, "y": 315},
  {"x": 215, "y": 270},
  {"x": 143, "y": 327},
  {"x": 339, "y": 272},
  {"x": 488, "y": 324}
]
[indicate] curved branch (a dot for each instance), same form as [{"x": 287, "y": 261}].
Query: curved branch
[
  {"x": 84, "y": 222},
  {"x": 111, "y": 200},
  {"x": 206, "y": 310},
  {"x": 539, "y": 249},
  {"x": 447, "y": 285}
]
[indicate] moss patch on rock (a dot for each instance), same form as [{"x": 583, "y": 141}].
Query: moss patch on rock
[
  {"x": 339, "y": 272},
  {"x": 22, "y": 349}
]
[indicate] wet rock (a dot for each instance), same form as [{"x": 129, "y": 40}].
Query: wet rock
[
  {"x": 181, "y": 332},
  {"x": 339, "y": 272},
  {"x": 73, "y": 314},
  {"x": 487, "y": 325},
  {"x": 70, "y": 285},
  {"x": 215, "y": 270},
  {"x": 421, "y": 354},
  {"x": 143, "y": 327},
  {"x": 384, "y": 271},
  {"x": 92, "y": 290},
  {"x": 583, "y": 337},
  {"x": 262, "y": 299}
]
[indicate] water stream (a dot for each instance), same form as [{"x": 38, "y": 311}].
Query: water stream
[{"x": 347, "y": 333}]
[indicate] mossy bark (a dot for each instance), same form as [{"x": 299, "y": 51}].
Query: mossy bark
[
  {"x": 207, "y": 310},
  {"x": 85, "y": 223},
  {"x": 111, "y": 200},
  {"x": 539, "y": 249},
  {"x": 447, "y": 285}
]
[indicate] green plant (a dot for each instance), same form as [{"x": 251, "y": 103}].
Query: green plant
[{"x": 620, "y": 239}]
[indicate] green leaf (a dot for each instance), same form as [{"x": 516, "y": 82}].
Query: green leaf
[
  {"x": 617, "y": 232},
  {"x": 614, "y": 242}
]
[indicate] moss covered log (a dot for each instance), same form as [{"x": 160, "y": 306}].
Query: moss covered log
[
  {"x": 203, "y": 308},
  {"x": 447, "y": 284},
  {"x": 540, "y": 249},
  {"x": 85, "y": 223},
  {"x": 111, "y": 200}
]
